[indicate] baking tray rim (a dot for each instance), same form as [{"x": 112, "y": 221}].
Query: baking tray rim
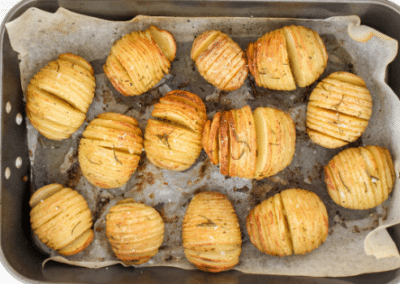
[{"x": 23, "y": 5}]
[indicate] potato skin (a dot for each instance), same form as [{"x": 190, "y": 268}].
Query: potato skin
[
  {"x": 220, "y": 60},
  {"x": 61, "y": 219},
  {"x": 59, "y": 95},
  {"x": 294, "y": 221},
  {"x": 211, "y": 233},
  {"x": 338, "y": 110},
  {"x": 135, "y": 231},
  {"x": 109, "y": 152},
  {"x": 360, "y": 178}
]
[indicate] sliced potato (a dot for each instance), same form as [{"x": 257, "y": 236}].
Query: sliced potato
[
  {"x": 294, "y": 221},
  {"x": 61, "y": 219},
  {"x": 59, "y": 95},
  {"x": 272, "y": 62},
  {"x": 139, "y": 60},
  {"x": 220, "y": 60},
  {"x": 276, "y": 141},
  {"x": 339, "y": 110},
  {"x": 175, "y": 140},
  {"x": 135, "y": 231},
  {"x": 360, "y": 178},
  {"x": 210, "y": 138},
  {"x": 285, "y": 57},
  {"x": 307, "y": 54},
  {"x": 211, "y": 233},
  {"x": 110, "y": 150}
]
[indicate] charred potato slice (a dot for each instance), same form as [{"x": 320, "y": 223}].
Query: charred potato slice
[
  {"x": 339, "y": 110},
  {"x": 139, "y": 60},
  {"x": 220, "y": 60},
  {"x": 59, "y": 95},
  {"x": 360, "y": 178},
  {"x": 294, "y": 221},
  {"x": 173, "y": 140},
  {"x": 110, "y": 150},
  {"x": 135, "y": 231},
  {"x": 210, "y": 138},
  {"x": 61, "y": 219},
  {"x": 211, "y": 233}
]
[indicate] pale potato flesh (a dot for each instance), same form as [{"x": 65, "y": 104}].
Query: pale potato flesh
[{"x": 250, "y": 145}]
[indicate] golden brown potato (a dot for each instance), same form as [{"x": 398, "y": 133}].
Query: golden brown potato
[
  {"x": 360, "y": 178},
  {"x": 294, "y": 221},
  {"x": 269, "y": 62},
  {"x": 61, "y": 219},
  {"x": 110, "y": 150},
  {"x": 339, "y": 110},
  {"x": 283, "y": 58},
  {"x": 250, "y": 145},
  {"x": 139, "y": 60},
  {"x": 211, "y": 233},
  {"x": 59, "y": 95},
  {"x": 135, "y": 231},
  {"x": 276, "y": 141},
  {"x": 220, "y": 60},
  {"x": 173, "y": 140}
]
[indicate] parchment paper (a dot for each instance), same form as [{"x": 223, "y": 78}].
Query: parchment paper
[{"x": 357, "y": 242}]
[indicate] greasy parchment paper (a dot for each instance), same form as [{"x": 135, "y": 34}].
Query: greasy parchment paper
[{"x": 357, "y": 242}]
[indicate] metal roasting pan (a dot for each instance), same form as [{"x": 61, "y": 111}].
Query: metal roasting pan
[{"x": 17, "y": 250}]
